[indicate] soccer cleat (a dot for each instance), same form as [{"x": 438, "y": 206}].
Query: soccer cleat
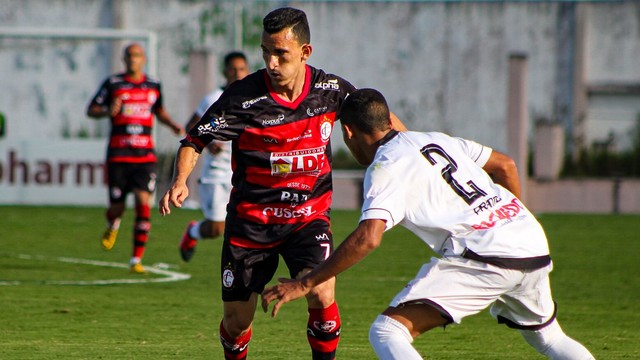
[
  {"x": 109, "y": 238},
  {"x": 137, "y": 268},
  {"x": 188, "y": 243}
]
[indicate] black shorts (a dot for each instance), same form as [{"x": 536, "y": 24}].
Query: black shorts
[
  {"x": 123, "y": 178},
  {"x": 248, "y": 270}
]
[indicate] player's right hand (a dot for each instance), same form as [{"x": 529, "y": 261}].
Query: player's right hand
[{"x": 175, "y": 196}]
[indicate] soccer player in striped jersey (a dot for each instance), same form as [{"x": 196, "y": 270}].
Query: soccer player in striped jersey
[
  {"x": 461, "y": 199},
  {"x": 130, "y": 100},
  {"x": 279, "y": 120}
]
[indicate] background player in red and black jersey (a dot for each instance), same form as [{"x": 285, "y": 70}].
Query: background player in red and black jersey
[
  {"x": 131, "y": 99},
  {"x": 279, "y": 120}
]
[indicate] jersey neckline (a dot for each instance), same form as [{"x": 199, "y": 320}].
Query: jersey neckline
[{"x": 290, "y": 104}]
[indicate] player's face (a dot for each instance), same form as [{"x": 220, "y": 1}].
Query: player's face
[
  {"x": 236, "y": 70},
  {"x": 284, "y": 57},
  {"x": 134, "y": 59}
]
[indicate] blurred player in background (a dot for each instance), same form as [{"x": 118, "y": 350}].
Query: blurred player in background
[
  {"x": 494, "y": 252},
  {"x": 215, "y": 179},
  {"x": 279, "y": 120},
  {"x": 131, "y": 99}
]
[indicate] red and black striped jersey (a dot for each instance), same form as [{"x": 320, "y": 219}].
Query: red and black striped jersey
[
  {"x": 131, "y": 139},
  {"x": 281, "y": 153}
]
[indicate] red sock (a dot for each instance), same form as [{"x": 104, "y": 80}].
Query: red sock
[
  {"x": 234, "y": 349},
  {"x": 323, "y": 332},
  {"x": 141, "y": 230}
]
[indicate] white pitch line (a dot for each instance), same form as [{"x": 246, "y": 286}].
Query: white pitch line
[{"x": 169, "y": 276}]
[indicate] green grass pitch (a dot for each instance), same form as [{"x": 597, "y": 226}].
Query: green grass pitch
[{"x": 595, "y": 282}]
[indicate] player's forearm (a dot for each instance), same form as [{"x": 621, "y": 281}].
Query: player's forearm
[
  {"x": 504, "y": 172},
  {"x": 357, "y": 246},
  {"x": 97, "y": 111},
  {"x": 185, "y": 162}
]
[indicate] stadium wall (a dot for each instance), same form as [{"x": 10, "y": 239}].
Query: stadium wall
[{"x": 443, "y": 65}]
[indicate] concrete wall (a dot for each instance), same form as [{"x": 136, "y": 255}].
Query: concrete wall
[{"x": 442, "y": 65}]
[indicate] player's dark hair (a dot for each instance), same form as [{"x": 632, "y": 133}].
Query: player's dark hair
[
  {"x": 287, "y": 17},
  {"x": 234, "y": 55},
  {"x": 365, "y": 109}
]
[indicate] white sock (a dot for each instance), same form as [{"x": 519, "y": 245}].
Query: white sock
[
  {"x": 134, "y": 260},
  {"x": 555, "y": 344},
  {"x": 115, "y": 225},
  {"x": 194, "y": 231},
  {"x": 391, "y": 340}
]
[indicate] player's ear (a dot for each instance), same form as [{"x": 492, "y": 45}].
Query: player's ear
[
  {"x": 306, "y": 51},
  {"x": 347, "y": 131}
]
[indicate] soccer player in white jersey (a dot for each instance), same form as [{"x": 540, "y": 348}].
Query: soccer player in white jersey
[
  {"x": 461, "y": 199},
  {"x": 215, "y": 178}
]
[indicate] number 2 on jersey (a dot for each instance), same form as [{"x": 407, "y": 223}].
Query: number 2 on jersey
[{"x": 447, "y": 174}]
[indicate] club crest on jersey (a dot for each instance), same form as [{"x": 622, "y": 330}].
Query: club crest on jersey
[
  {"x": 326, "y": 127},
  {"x": 298, "y": 162}
]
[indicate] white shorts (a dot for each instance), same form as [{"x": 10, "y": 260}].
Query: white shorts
[
  {"x": 213, "y": 200},
  {"x": 463, "y": 287}
]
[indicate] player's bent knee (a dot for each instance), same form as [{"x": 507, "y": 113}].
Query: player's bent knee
[
  {"x": 555, "y": 344},
  {"x": 391, "y": 340}
]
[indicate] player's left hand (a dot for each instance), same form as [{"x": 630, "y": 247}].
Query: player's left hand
[{"x": 287, "y": 290}]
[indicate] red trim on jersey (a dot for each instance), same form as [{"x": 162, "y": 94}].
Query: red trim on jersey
[
  {"x": 129, "y": 79},
  {"x": 283, "y": 213},
  {"x": 131, "y": 141},
  {"x": 298, "y": 100},
  {"x": 149, "y": 158},
  {"x": 246, "y": 243}
]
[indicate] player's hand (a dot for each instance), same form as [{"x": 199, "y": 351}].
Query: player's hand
[
  {"x": 175, "y": 196},
  {"x": 287, "y": 290},
  {"x": 116, "y": 107}
]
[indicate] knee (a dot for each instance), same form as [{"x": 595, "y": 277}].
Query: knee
[
  {"x": 322, "y": 296},
  {"x": 235, "y": 326},
  {"x": 384, "y": 329}
]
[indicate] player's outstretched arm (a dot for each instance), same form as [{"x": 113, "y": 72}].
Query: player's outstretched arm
[
  {"x": 504, "y": 171},
  {"x": 178, "y": 191},
  {"x": 163, "y": 117},
  {"x": 362, "y": 241}
]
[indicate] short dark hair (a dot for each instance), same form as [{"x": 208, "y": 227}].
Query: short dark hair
[
  {"x": 234, "y": 55},
  {"x": 287, "y": 17},
  {"x": 365, "y": 109}
]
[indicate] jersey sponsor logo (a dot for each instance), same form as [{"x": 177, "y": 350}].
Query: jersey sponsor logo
[
  {"x": 326, "y": 127},
  {"x": 135, "y": 141},
  {"x": 294, "y": 197},
  {"x": 135, "y": 129},
  {"x": 322, "y": 237},
  {"x": 216, "y": 124},
  {"x": 316, "y": 111},
  {"x": 136, "y": 109},
  {"x": 271, "y": 122},
  {"x": 506, "y": 212},
  {"x": 331, "y": 84},
  {"x": 487, "y": 204},
  {"x": 286, "y": 212},
  {"x": 270, "y": 140},
  {"x": 306, "y": 135},
  {"x": 298, "y": 162},
  {"x": 247, "y": 104}
]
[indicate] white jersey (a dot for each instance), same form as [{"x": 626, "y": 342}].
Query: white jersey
[
  {"x": 434, "y": 185},
  {"x": 216, "y": 168}
]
